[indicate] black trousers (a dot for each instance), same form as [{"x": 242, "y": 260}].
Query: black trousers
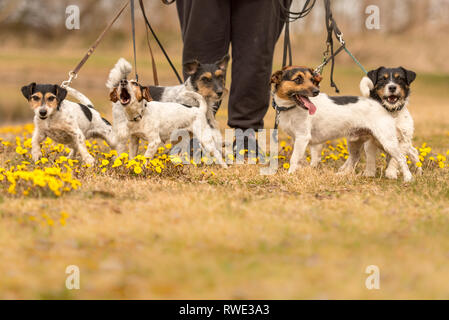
[{"x": 252, "y": 27}]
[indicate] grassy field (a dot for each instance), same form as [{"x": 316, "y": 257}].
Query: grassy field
[{"x": 205, "y": 232}]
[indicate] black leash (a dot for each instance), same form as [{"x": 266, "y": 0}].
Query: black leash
[
  {"x": 133, "y": 23},
  {"x": 332, "y": 29},
  {"x": 142, "y": 7}
]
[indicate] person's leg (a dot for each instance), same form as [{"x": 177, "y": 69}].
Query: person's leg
[
  {"x": 255, "y": 28},
  {"x": 206, "y": 27}
]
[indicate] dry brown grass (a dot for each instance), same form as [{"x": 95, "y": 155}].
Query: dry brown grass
[{"x": 234, "y": 234}]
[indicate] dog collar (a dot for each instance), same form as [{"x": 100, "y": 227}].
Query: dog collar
[{"x": 279, "y": 109}]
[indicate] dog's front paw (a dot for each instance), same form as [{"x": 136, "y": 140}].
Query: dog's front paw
[
  {"x": 392, "y": 174},
  {"x": 408, "y": 177},
  {"x": 369, "y": 174},
  {"x": 36, "y": 156},
  {"x": 90, "y": 160},
  {"x": 419, "y": 171}
]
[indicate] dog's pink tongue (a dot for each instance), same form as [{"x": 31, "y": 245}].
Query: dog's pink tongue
[{"x": 309, "y": 105}]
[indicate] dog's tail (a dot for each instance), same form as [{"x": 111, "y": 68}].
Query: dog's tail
[
  {"x": 120, "y": 71},
  {"x": 202, "y": 102},
  {"x": 366, "y": 85},
  {"x": 79, "y": 96}
]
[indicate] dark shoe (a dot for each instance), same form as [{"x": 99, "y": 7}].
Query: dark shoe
[{"x": 246, "y": 146}]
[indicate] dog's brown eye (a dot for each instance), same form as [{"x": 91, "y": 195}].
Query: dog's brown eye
[
  {"x": 205, "y": 79},
  {"x": 35, "y": 98},
  {"x": 299, "y": 80},
  {"x": 51, "y": 99}
]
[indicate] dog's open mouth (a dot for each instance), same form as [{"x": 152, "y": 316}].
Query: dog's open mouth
[
  {"x": 125, "y": 97},
  {"x": 305, "y": 103},
  {"x": 392, "y": 99}
]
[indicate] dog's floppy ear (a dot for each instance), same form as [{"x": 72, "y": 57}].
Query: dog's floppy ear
[
  {"x": 223, "y": 63},
  {"x": 28, "y": 90},
  {"x": 146, "y": 93},
  {"x": 373, "y": 74},
  {"x": 276, "y": 78},
  {"x": 410, "y": 76},
  {"x": 316, "y": 76},
  {"x": 60, "y": 93},
  {"x": 191, "y": 67},
  {"x": 113, "y": 96}
]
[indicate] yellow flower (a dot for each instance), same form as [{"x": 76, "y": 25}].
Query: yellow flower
[
  {"x": 441, "y": 165},
  {"x": 137, "y": 170},
  {"x": 117, "y": 163},
  {"x": 286, "y": 165},
  {"x": 419, "y": 164}
]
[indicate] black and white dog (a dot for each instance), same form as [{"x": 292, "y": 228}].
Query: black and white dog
[
  {"x": 64, "y": 121},
  {"x": 313, "y": 118},
  {"x": 391, "y": 88}
]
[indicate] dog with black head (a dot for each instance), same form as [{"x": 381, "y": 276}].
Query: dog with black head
[
  {"x": 391, "y": 88},
  {"x": 64, "y": 121}
]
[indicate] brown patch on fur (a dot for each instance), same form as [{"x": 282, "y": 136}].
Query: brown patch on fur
[
  {"x": 386, "y": 75},
  {"x": 113, "y": 96},
  {"x": 138, "y": 93},
  {"x": 207, "y": 75},
  {"x": 205, "y": 90},
  {"x": 36, "y": 100},
  {"x": 219, "y": 73},
  {"x": 146, "y": 94},
  {"x": 358, "y": 133},
  {"x": 51, "y": 100},
  {"x": 396, "y": 75}
]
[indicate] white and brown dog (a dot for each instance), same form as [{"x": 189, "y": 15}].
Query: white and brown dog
[
  {"x": 64, "y": 121},
  {"x": 155, "y": 121},
  {"x": 313, "y": 118}
]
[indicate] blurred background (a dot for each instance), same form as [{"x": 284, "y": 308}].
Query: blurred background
[{"x": 37, "y": 46}]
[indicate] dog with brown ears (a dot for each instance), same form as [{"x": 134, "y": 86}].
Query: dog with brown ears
[
  {"x": 155, "y": 121},
  {"x": 64, "y": 121},
  {"x": 312, "y": 118}
]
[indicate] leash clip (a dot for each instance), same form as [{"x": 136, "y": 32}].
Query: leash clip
[
  {"x": 340, "y": 38},
  {"x": 67, "y": 83}
]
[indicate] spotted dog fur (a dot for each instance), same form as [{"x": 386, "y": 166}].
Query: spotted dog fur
[
  {"x": 64, "y": 121},
  {"x": 155, "y": 121},
  {"x": 313, "y": 118}
]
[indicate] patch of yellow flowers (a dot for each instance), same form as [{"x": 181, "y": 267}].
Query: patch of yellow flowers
[{"x": 55, "y": 174}]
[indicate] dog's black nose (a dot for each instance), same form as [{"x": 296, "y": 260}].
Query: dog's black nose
[
  {"x": 42, "y": 113},
  {"x": 315, "y": 92},
  {"x": 392, "y": 89}
]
